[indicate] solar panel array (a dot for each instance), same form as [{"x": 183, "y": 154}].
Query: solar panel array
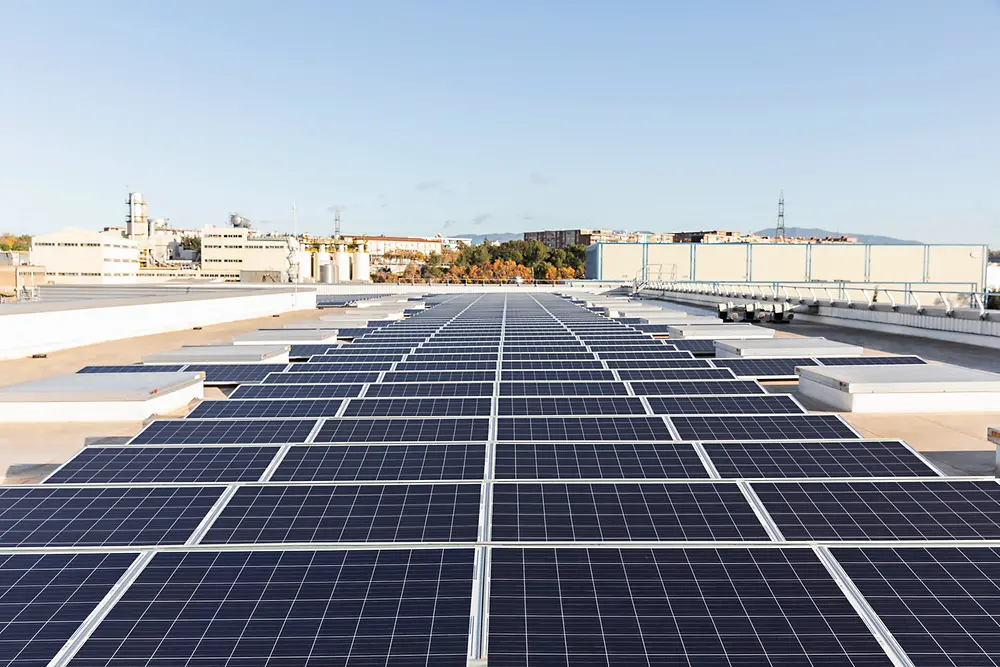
[{"x": 507, "y": 478}]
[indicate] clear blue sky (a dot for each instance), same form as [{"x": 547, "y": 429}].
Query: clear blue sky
[{"x": 877, "y": 116}]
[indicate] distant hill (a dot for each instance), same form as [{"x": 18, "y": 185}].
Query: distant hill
[
  {"x": 497, "y": 236},
  {"x": 822, "y": 233}
]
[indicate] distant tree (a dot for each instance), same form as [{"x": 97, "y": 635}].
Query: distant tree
[
  {"x": 191, "y": 243},
  {"x": 433, "y": 260},
  {"x": 14, "y": 242}
]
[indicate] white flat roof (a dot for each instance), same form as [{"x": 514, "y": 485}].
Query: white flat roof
[
  {"x": 788, "y": 347},
  {"x": 916, "y": 378},
  {"x": 710, "y": 332},
  {"x": 286, "y": 336},
  {"x": 94, "y": 387},
  {"x": 193, "y": 354}
]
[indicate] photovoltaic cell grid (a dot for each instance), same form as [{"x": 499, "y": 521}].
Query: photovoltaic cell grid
[
  {"x": 294, "y": 391},
  {"x": 346, "y": 513},
  {"x": 903, "y": 510},
  {"x": 722, "y": 405},
  {"x": 94, "y": 516},
  {"x": 543, "y": 460},
  {"x": 763, "y": 460},
  {"x": 696, "y": 388},
  {"x": 555, "y": 512},
  {"x": 132, "y": 369},
  {"x": 582, "y": 429},
  {"x": 135, "y": 465},
  {"x": 939, "y": 603},
  {"x": 382, "y": 463},
  {"x": 430, "y": 389},
  {"x": 534, "y": 405},
  {"x": 320, "y": 378},
  {"x": 224, "y": 432},
  {"x": 672, "y": 607},
  {"x": 764, "y": 368},
  {"x": 562, "y": 389},
  {"x": 403, "y": 430},
  {"x": 763, "y": 427},
  {"x": 307, "y": 608},
  {"x": 265, "y": 409},
  {"x": 44, "y": 598}
]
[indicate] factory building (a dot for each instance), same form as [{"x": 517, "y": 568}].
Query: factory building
[
  {"x": 80, "y": 256},
  {"x": 563, "y": 238},
  {"x": 230, "y": 252}
]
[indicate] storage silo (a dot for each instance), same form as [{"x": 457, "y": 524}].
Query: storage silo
[
  {"x": 342, "y": 262},
  {"x": 361, "y": 264}
]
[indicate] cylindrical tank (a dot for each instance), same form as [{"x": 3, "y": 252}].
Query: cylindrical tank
[
  {"x": 342, "y": 261},
  {"x": 326, "y": 273},
  {"x": 361, "y": 264}
]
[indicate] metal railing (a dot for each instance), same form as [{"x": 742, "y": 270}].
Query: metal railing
[{"x": 916, "y": 297}]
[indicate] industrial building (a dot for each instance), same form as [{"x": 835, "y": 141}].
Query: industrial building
[
  {"x": 563, "y": 238},
  {"x": 80, "y": 256}
]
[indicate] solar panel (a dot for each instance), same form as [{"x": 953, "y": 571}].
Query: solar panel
[
  {"x": 668, "y": 364},
  {"x": 696, "y": 388},
  {"x": 224, "y": 432},
  {"x": 235, "y": 373},
  {"x": 552, "y": 363},
  {"x": 440, "y": 376},
  {"x": 694, "y": 607},
  {"x": 58, "y": 516},
  {"x": 320, "y": 378},
  {"x": 699, "y": 348},
  {"x": 264, "y": 409},
  {"x": 348, "y": 513},
  {"x": 562, "y": 389},
  {"x": 676, "y": 374},
  {"x": 582, "y": 429},
  {"x": 412, "y": 389},
  {"x": 284, "y": 392},
  {"x": 454, "y": 357},
  {"x": 571, "y": 405},
  {"x": 134, "y": 465},
  {"x": 548, "y": 460},
  {"x": 919, "y": 510},
  {"x": 871, "y": 361},
  {"x": 152, "y": 368},
  {"x": 939, "y": 603},
  {"x": 45, "y": 598},
  {"x": 346, "y": 366},
  {"x": 764, "y": 368},
  {"x": 648, "y": 354},
  {"x": 346, "y": 358},
  {"x": 386, "y": 607},
  {"x": 557, "y": 376},
  {"x": 556, "y": 512},
  {"x": 403, "y": 430},
  {"x": 775, "y": 404},
  {"x": 761, "y": 427},
  {"x": 418, "y": 407},
  {"x": 846, "y": 458},
  {"x": 447, "y": 366},
  {"x": 382, "y": 463}
]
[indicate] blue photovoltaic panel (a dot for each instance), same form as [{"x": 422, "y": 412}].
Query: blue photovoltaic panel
[
  {"x": 447, "y": 366},
  {"x": 345, "y": 366},
  {"x": 266, "y": 409},
  {"x": 668, "y": 364},
  {"x": 45, "y": 598},
  {"x": 134, "y": 465},
  {"x": 557, "y": 460},
  {"x": 413, "y": 389},
  {"x": 294, "y": 391},
  {"x": 382, "y": 463},
  {"x": 870, "y": 361},
  {"x": 151, "y": 368},
  {"x": 775, "y": 404},
  {"x": 235, "y": 373},
  {"x": 829, "y": 458},
  {"x": 553, "y": 363},
  {"x": 582, "y": 429},
  {"x": 404, "y": 430},
  {"x": 440, "y": 376},
  {"x": 762, "y": 427},
  {"x": 58, "y": 516},
  {"x": 347, "y": 513},
  {"x": 699, "y": 348},
  {"x": 764, "y": 368},
  {"x": 224, "y": 432},
  {"x": 920, "y": 510},
  {"x": 557, "y": 376},
  {"x": 303, "y": 608},
  {"x": 321, "y": 360},
  {"x": 571, "y": 405},
  {"x": 646, "y": 354},
  {"x": 453, "y": 357},
  {"x": 562, "y": 389},
  {"x": 555, "y": 512},
  {"x": 696, "y": 388},
  {"x": 676, "y": 374},
  {"x": 418, "y": 407},
  {"x": 320, "y": 378},
  {"x": 694, "y": 607},
  {"x": 939, "y": 603}
]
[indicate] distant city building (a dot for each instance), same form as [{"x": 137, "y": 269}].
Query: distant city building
[
  {"x": 228, "y": 251},
  {"x": 563, "y": 238},
  {"x": 382, "y": 245},
  {"x": 80, "y": 256}
]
